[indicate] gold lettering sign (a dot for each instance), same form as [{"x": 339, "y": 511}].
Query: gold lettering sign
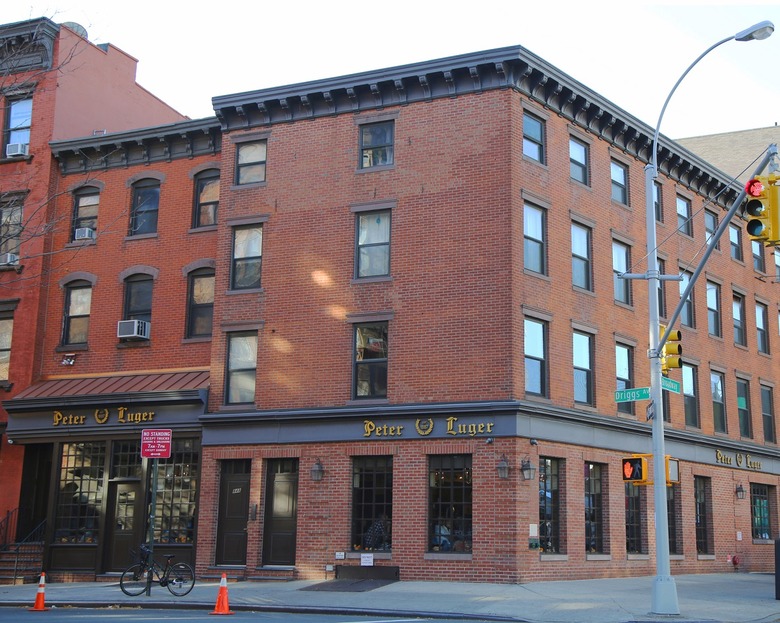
[
  {"x": 424, "y": 427},
  {"x": 738, "y": 459},
  {"x": 123, "y": 415}
]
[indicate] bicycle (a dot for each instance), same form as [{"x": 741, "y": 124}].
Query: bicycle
[{"x": 178, "y": 577}]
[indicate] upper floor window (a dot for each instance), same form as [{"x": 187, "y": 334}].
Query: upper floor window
[
  {"x": 6, "y": 333},
  {"x": 373, "y": 244},
  {"x": 578, "y": 161},
  {"x": 250, "y": 162},
  {"x": 535, "y": 344},
  {"x": 534, "y": 248},
  {"x": 743, "y": 408},
  {"x": 146, "y": 204},
  {"x": 581, "y": 269},
  {"x": 738, "y": 316},
  {"x": 658, "y": 203},
  {"x": 533, "y": 138},
  {"x": 713, "y": 309},
  {"x": 684, "y": 221},
  {"x": 247, "y": 257},
  {"x": 584, "y": 387},
  {"x": 241, "y": 374},
  {"x": 370, "y": 372},
  {"x": 710, "y": 226},
  {"x": 376, "y": 144},
  {"x": 758, "y": 256},
  {"x": 86, "y": 202},
  {"x": 690, "y": 395},
  {"x": 619, "y": 175},
  {"x": 687, "y": 317},
  {"x": 206, "y": 198},
  {"x": 762, "y": 328},
  {"x": 623, "y": 372},
  {"x": 200, "y": 302},
  {"x": 768, "y": 413},
  {"x": 10, "y": 224},
  {"x": 718, "y": 402},
  {"x": 18, "y": 124},
  {"x": 661, "y": 289},
  {"x": 620, "y": 264},
  {"x": 735, "y": 241},
  {"x": 138, "y": 298},
  {"x": 78, "y": 301}
]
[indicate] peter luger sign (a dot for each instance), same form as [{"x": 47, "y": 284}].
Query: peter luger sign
[
  {"x": 122, "y": 415},
  {"x": 424, "y": 427}
]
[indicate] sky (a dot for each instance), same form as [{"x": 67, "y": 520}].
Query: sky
[{"x": 630, "y": 52}]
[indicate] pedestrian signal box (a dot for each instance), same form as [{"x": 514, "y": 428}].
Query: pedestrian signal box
[{"x": 635, "y": 469}]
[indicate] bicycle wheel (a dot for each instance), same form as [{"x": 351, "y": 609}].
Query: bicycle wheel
[
  {"x": 133, "y": 580},
  {"x": 181, "y": 579}
]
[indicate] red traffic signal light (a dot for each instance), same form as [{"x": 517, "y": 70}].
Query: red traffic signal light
[
  {"x": 635, "y": 469},
  {"x": 754, "y": 187},
  {"x": 761, "y": 210}
]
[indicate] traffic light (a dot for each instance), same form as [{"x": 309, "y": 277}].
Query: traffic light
[
  {"x": 761, "y": 210},
  {"x": 635, "y": 469},
  {"x": 671, "y": 351}
]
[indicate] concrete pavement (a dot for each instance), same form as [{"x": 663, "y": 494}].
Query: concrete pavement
[{"x": 728, "y": 597}]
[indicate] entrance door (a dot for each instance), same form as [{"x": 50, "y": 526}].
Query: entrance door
[
  {"x": 233, "y": 512},
  {"x": 124, "y": 524},
  {"x": 281, "y": 512},
  {"x": 36, "y": 478}
]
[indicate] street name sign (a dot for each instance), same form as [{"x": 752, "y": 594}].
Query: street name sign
[
  {"x": 670, "y": 385},
  {"x": 633, "y": 394}
]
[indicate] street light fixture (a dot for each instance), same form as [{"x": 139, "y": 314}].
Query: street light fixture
[{"x": 664, "y": 593}]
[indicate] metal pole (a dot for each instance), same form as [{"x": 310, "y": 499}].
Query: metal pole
[{"x": 152, "y": 510}]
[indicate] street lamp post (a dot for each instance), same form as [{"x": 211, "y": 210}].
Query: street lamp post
[{"x": 664, "y": 594}]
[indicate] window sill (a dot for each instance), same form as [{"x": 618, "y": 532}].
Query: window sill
[
  {"x": 249, "y": 186},
  {"x": 246, "y": 291},
  {"x": 367, "y": 401},
  {"x": 452, "y": 557},
  {"x": 381, "y": 167},
  {"x": 78, "y": 244},
  {"x": 377, "y": 279},
  {"x": 637, "y": 556},
  {"x": 554, "y": 557},
  {"x": 141, "y": 236},
  {"x": 67, "y": 348},
  {"x": 705, "y": 556},
  {"x": 26, "y": 158},
  {"x": 763, "y": 541},
  {"x": 196, "y": 340},
  {"x": 200, "y": 230},
  {"x": 532, "y": 273},
  {"x": 581, "y": 290},
  {"x": 378, "y": 555},
  {"x": 135, "y": 344},
  {"x": 598, "y": 557},
  {"x": 244, "y": 406},
  {"x": 676, "y": 556}
]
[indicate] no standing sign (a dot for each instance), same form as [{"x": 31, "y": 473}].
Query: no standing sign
[{"x": 156, "y": 443}]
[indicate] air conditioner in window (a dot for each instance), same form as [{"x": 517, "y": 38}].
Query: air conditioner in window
[
  {"x": 9, "y": 259},
  {"x": 133, "y": 329},
  {"x": 15, "y": 150},
  {"x": 84, "y": 233}
]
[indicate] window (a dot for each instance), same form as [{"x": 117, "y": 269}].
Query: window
[
  {"x": 687, "y": 317},
  {"x": 206, "y": 198},
  {"x": 713, "y": 309},
  {"x": 710, "y": 226},
  {"x": 583, "y": 368},
  {"x": 200, "y": 303},
  {"x": 619, "y": 175},
  {"x": 768, "y": 413},
  {"x": 534, "y": 249},
  {"x": 762, "y": 328},
  {"x": 6, "y": 333},
  {"x": 146, "y": 203},
  {"x": 777, "y": 265},
  {"x": 620, "y": 263},
  {"x": 718, "y": 402},
  {"x": 735, "y": 242},
  {"x": 661, "y": 289},
  {"x": 658, "y": 202},
  {"x": 594, "y": 505},
  {"x": 759, "y": 511},
  {"x": 738, "y": 316},
  {"x": 370, "y": 371},
  {"x": 578, "y": 161},
  {"x": 535, "y": 344},
  {"x": 241, "y": 367},
  {"x": 80, "y": 494},
  {"x": 703, "y": 501},
  {"x": 635, "y": 541},
  {"x": 533, "y": 138},
  {"x": 758, "y": 256},
  {"x": 373, "y": 244},
  {"x": 85, "y": 209},
  {"x": 376, "y": 144},
  {"x": 581, "y": 263},
  {"x": 743, "y": 408},
  {"x": 247, "y": 257},
  {"x": 372, "y": 503},
  {"x": 177, "y": 476},
  {"x": 250, "y": 162},
  {"x": 138, "y": 298},
  {"x": 450, "y": 500},
  {"x": 674, "y": 518},
  {"x": 78, "y": 300},
  {"x": 624, "y": 361},
  {"x": 684, "y": 222},
  {"x": 10, "y": 224},
  {"x": 690, "y": 399},
  {"x": 550, "y": 475},
  {"x": 18, "y": 122}
]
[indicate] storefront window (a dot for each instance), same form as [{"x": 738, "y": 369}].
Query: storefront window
[
  {"x": 176, "y": 493},
  {"x": 80, "y": 494},
  {"x": 594, "y": 505},
  {"x": 372, "y": 502},
  {"x": 550, "y": 506},
  {"x": 449, "y": 478}
]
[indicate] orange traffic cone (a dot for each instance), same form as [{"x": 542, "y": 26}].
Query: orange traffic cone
[
  {"x": 40, "y": 597},
  {"x": 222, "y": 606}
]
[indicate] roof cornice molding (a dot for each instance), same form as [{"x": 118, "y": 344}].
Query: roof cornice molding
[{"x": 27, "y": 46}]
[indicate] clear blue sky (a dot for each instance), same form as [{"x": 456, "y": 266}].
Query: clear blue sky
[{"x": 631, "y": 52}]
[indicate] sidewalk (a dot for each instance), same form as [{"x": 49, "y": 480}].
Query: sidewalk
[{"x": 732, "y": 597}]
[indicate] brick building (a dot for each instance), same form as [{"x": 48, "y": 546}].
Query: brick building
[{"x": 417, "y": 335}]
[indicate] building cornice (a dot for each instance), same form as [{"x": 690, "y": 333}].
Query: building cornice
[{"x": 27, "y": 46}]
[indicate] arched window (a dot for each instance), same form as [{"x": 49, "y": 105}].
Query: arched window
[
  {"x": 78, "y": 300},
  {"x": 200, "y": 302},
  {"x": 206, "y": 198},
  {"x": 86, "y": 201},
  {"x": 146, "y": 203}
]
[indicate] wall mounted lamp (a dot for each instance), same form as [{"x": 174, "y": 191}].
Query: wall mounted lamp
[
  {"x": 317, "y": 471},
  {"x": 740, "y": 492},
  {"x": 503, "y": 468},
  {"x": 528, "y": 469}
]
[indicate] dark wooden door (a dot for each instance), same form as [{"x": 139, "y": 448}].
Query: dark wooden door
[
  {"x": 233, "y": 512},
  {"x": 124, "y": 524},
  {"x": 281, "y": 512}
]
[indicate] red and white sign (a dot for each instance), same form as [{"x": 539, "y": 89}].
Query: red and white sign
[{"x": 156, "y": 443}]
